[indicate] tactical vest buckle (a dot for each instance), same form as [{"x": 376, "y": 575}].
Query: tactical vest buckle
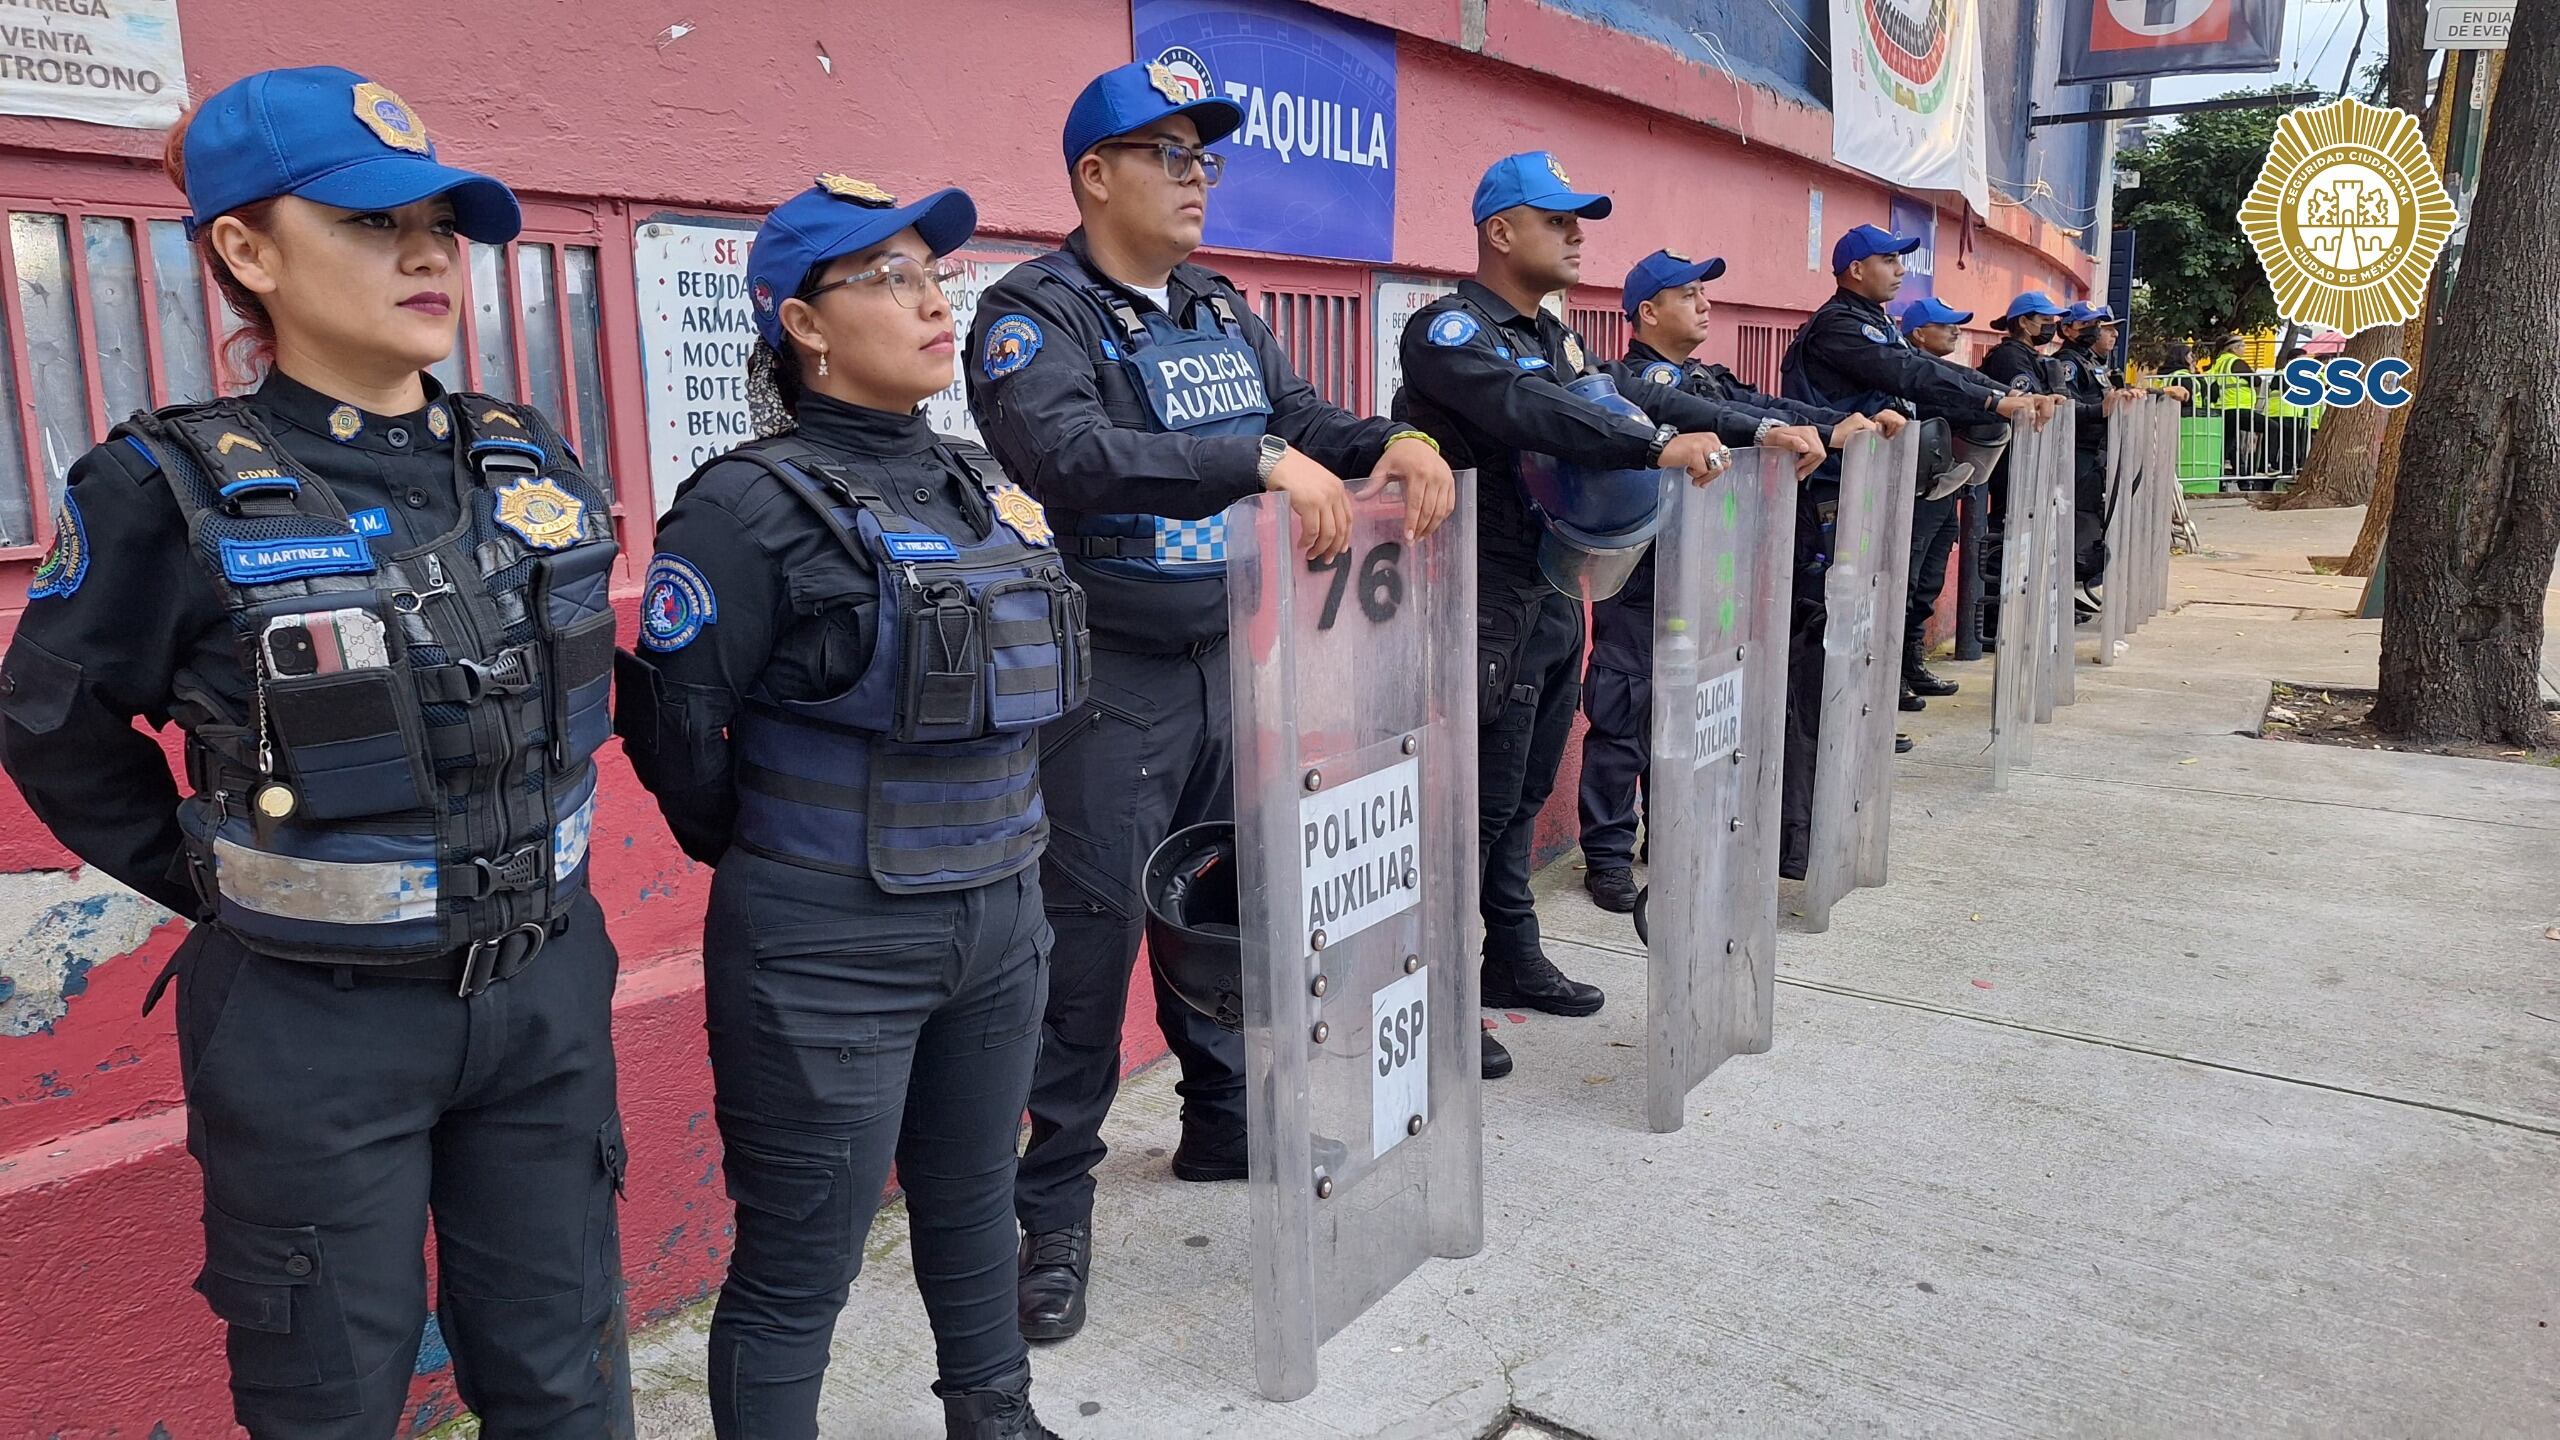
[
  {"x": 496, "y": 457},
  {"x": 519, "y": 870},
  {"x": 481, "y": 960},
  {"x": 509, "y": 672}
]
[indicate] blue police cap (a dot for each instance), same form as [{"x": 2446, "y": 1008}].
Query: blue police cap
[
  {"x": 1930, "y": 310},
  {"x": 1133, "y": 96},
  {"x": 2030, "y": 302},
  {"x": 841, "y": 216},
  {"x": 2082, "y": 312},
  {"x": 332, "y": 136},
  {"x": 1534, "y": 178},
  {"x": 1866, "y": 242},
  {"x": 1662, "y": 271}
]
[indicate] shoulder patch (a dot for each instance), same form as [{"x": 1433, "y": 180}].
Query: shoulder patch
[
  {"x": 1875, "y": 334},
  {"x": 675, "y": 603},
  {"x": 1662, "y": 372},
  {"x": 66, "y": 562},
  {"x": 1453, "y": 328},
  {"x": 1010, "y": 344}
]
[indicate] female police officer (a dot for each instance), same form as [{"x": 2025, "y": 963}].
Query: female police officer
[
  {"x": 379, "y": 614},
  {"x": 851, "y": 630}
]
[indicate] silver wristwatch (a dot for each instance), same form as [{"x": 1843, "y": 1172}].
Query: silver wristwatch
[
  {"x": 1274, "y": 449},
  {"x": 1760, "y": 436}
]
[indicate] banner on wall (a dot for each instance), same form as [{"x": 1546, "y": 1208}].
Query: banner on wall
[
  {"x": 2134, "y": 39},
  {"x": 1906, "y": 94},
  {"x": 117, "y": 64},
  {"x": 1312, "y": 170},
  {"x": 696, "y": 332},
  {"x": 1920, "y": 267}
]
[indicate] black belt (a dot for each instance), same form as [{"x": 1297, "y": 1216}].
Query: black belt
[
  {"x": 1196, "y": 649},
  {"x": 476, "y": 966}
]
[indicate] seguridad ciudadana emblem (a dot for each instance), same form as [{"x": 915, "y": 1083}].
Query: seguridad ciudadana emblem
[{"x": 2348, "y": 216}]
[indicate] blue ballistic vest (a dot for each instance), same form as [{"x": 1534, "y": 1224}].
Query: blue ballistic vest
[
  {"x": 1162, "y": 375},
  {"x": 924, "y": 775},
  {"x": 414, "y": 775}
]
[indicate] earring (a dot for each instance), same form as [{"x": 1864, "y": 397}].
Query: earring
[{"x": 822, "y": 362}]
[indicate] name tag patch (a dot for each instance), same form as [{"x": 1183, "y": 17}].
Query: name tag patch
[
  {"x": 904, "y": 546},
  {"x": 249, "y": 562},
  {"x": 371, "y": 523}
]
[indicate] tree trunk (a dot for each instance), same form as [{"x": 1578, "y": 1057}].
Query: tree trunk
[
  {"x": 2346, "y": 452},
  {"x": 2478, "y": 522}
]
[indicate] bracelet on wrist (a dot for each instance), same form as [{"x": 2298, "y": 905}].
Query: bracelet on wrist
[{"x": 1421, "y": 435}]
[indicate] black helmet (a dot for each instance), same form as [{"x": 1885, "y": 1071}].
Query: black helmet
[{"x": 1192, "y": 920}]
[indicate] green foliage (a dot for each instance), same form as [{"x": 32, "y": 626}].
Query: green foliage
[{"x": 2201, "y": 277}]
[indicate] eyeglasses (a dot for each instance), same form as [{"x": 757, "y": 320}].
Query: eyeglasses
[
  {"x": 903, "y": 276},
  {"x": 1178, "y": 159}
]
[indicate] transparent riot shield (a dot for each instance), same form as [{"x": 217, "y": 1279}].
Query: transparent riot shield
[
  {"x": 1720, "y": 601},
  {"x": 2061, "y": 559},
  {"x": 1865, "y": 596},
  {"x": 2163, "y": 464},
  {"x": 1355, "y": 735},
  {"x": 2127, "y": 440},
  {"x": 2017, "y": 668}
]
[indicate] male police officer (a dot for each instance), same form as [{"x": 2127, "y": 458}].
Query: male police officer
[
  {"x": 2017, "y": 362},
  {"x": 2084, "y": 379},
  {"x": 1137, "y": 397},
  {"x": 1665, "y": 298},
  {"x": 1486, "y": 370},
  {"x": 1931, "y": 324},
  {"x": 1850, "y": 354}
]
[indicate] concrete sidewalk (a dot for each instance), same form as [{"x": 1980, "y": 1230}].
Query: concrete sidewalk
[{"x": 2199, "y": 1085}]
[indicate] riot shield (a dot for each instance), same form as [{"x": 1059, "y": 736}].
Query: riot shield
[
  {"x": 2165, "y": 428},
  {"x": 2061, "y": 563},
  {"x": 2127, "y": 439},
  {"x": 1355, "y": 734},
  {"x": 2017, "y": 668},
  {"x": 1720, "y": 598},
  {"x": 1865, "y": 597}
]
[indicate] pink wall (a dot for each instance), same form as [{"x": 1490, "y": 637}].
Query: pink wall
[{"x": 579, "y": 102}]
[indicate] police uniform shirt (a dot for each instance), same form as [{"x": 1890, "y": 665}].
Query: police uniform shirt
[
  {"x": 2084, "y": 379},
  {"x": 1719, "y": 383},
  {"x": 1046, "y": 423},
  {"x": 2014, "y": 363},
  {"x": 127, "y": 623},
  {"x": 1851, "y": 347},
  {"x": 1489, "y": 382},
  {"x": 767, "y": 599}
]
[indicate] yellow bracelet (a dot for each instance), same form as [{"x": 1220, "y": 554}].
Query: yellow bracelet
[{"x": 1414, "y": 435}]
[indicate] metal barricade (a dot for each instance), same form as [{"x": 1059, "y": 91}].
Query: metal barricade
[
  {"x": 1866, "y": 601},
  {"x": 1356, "y": 689},
  {"x": 2238, "y": 432},
  {"x": 1721, "y": 595}
]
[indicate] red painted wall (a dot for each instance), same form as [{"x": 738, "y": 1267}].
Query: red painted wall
[{"x": 97, "y": 1197}]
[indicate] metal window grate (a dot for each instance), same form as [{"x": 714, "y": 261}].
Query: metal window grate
[
  {"x": 1323, "y": 337},
  {"x": 105, "y": 311},
  {"x": 1604, "y": 332},
  {"x": 1758, "y": 348}
]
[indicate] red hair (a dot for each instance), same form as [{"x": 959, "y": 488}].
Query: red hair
[{"x": 251, "y": 350}]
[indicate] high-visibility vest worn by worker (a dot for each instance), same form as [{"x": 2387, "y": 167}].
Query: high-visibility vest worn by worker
[{"x": 2233, "y": 393}]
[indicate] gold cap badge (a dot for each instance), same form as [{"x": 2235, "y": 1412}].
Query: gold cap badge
[
  {"x": 390, "y": 118},
  {"x": 1168, "y": 84},
  {"x": 861, "y": 192},
  {"x": 1556, "y": 168},
  {"x": 2348, "y": 216}
]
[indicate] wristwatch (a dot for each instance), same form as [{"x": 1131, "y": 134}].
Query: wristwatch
[
  {"x": 1662, "y": 437},
  {"x": 1273, "y": 450},
  {"x": 1760, "y": 436}
]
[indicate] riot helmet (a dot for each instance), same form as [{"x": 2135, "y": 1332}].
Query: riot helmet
[
  {"x": 1598, "y": 522},
  {"x": 1192, "y": 919}
]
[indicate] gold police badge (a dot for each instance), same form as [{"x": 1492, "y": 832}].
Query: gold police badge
[
  {"x": 1573, "y": 352},
  {"x": 345, "y": 424},
  {"x": 1168, "y": 84},
  {"x": 437, "y": 424},
  {"x": 1556, "y": 168},
  {"x": 541, "y": 514},
  {"x": 861, "y": 192},
  {"x": 1021, "y": 514},
  {"x": 2348, "y": 216},
  {"x": 390, "y": 118}
]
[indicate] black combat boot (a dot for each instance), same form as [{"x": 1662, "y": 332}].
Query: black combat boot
[
  {"x": 1613, "y": 889},
  {"x": 1209, "y": 1152},
  {"x": 1536, "y": 984},
  {"x": 1497, "y": 1061},
  {"x": 1910, "y": 702},
  {"x": 1916, "y": 675},
  {"x": 1049, "y": 1298},
  {"x": 1001, "y": 1411}
]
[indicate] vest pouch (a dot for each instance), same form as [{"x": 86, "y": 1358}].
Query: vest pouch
[
  {"x": 341, "y": 711},
  {"x": 943, "y": 667},
  {"x": 1030, "y": 624},
  {"x": 575, "y": 614}
]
